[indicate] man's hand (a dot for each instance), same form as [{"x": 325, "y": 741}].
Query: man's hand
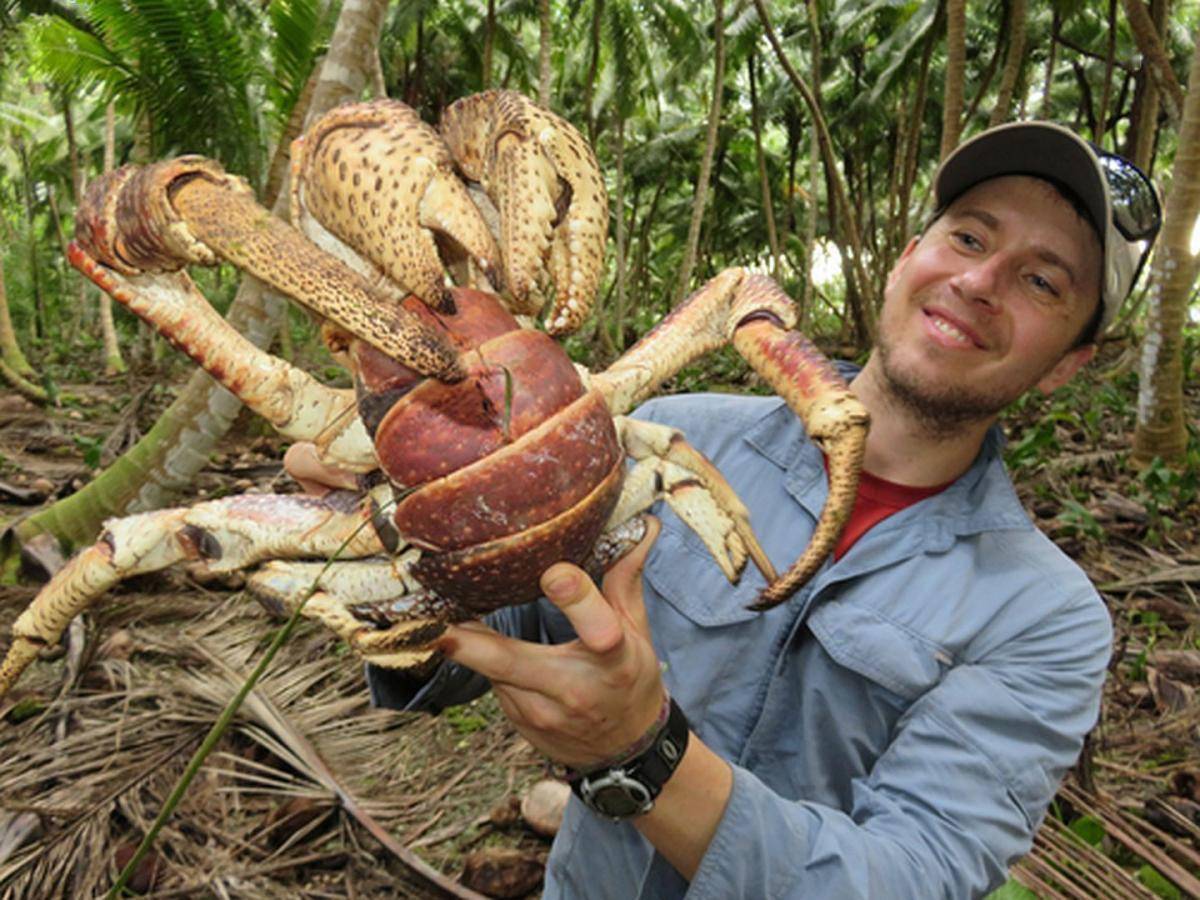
[
  {"x": 315, "y": 477},
  {"x": 588, "y": 700}
]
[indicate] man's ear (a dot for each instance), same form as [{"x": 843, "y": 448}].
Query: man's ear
[
  {"x": 902, "y": 259},
  {"x": 1064, "y": 370}
]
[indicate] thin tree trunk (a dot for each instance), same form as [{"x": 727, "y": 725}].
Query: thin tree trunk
[
  {"x": 1146, "y": 33},
  {"x": 1048, "y": 84},
  {"x": 764, "y": 180},
  {"x": 700, "y": 199},
  {"x": 114, "y": 363},
  {"x": 35, "y": 266},
  {"x": 77, "y": 186},
  {"x": 614, "y": 339},
  {"x": 956, "y": 66},
  {"x": 10, "y": 350},
  {"x": 1012, "y": 64},
  {"x": 489, "y": 39},
  {"x": 589, "y": 84},
  {"x": 863, "y": 313},
  {"x": 178, "y": 446},
  {"x": 1110, "y": 55},
  {"x": 1147, "y": 101},
  {"x": 545, "y": 43},
  {"x": 1161, "y": 429}
]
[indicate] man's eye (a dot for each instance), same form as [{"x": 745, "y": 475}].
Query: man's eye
[
  {"x": 968, "y": 240},
  {"x": 1043, "y": 285}
]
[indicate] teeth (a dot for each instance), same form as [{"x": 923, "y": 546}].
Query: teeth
[{"x": 949, "y": 330}]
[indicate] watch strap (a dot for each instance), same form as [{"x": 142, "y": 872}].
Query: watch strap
[{"x": 641, "y": 776}]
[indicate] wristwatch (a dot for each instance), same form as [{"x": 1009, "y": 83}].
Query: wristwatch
[{"x": 629, "y": 788}]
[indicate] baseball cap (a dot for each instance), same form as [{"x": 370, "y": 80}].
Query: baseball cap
[{"x": 1119, "y": 198}]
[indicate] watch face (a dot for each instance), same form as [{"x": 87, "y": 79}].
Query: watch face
[{"x": 618, "y": 796}]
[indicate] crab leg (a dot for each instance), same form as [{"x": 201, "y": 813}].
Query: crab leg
[
  {"x": 546, "y": 184},
  {"x": 294, "y": 402},
  {"x": 374, "y": 605},
  {"x": 670, "y": 468},
  {"x": 753, "y": 313},
  {"x": 222, "y": 535},
  {"x": 188, "y": 211}
]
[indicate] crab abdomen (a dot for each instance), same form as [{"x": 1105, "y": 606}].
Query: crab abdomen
[{"x": 502, "y": 474}]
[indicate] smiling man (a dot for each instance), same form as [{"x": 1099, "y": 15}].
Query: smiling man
[{"x": 900, "y": 726}]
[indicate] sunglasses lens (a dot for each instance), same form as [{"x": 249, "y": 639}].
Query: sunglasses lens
[{"x": 1135, "y": 207}]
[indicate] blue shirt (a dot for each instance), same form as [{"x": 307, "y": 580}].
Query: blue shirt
[{"x": 897, "y": 729}]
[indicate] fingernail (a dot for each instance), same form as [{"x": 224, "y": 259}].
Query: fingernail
[{"x": 560, "y": 583}]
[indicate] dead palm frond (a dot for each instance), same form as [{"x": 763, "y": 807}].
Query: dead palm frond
[{"x": 266, "y": 812}]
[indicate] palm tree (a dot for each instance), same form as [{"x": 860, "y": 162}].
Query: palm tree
[{"x": 1161, "y": 430}]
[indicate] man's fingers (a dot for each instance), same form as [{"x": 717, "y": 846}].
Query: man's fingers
[
  {"x": 596, "y": 623},
  {"x": 623, "y": 582},
  {"x": 492, "y": 655}
]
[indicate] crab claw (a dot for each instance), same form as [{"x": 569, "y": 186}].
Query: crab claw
[
  {"x": 381, "y": 180},
  {"x": 188, "y": 211},
  {"x": 546, "y": 184}
]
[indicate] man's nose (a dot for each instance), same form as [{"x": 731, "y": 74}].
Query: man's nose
[{"x": 982, "y": 280}]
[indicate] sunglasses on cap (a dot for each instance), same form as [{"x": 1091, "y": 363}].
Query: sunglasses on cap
[{"x": 1136, "y": 212}]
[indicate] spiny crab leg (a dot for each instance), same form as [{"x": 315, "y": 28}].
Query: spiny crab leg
[
  {"x": 164, "y": 216},
  {"x": 546, "y": 184},
  {"x": 379, "y": 179},
  {"x": 295, "y": 403},
  {"x": 223, "y": 535},
  {"x": 753, "y": 313}
]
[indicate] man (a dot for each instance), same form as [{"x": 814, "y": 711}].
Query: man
[{"x": 899, "y": 727}]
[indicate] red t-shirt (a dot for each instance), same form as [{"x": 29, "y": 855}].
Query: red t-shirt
[{"x": 878, "y": 499}]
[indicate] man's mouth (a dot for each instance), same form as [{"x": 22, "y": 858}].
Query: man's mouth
[{"x": 955, "y": 331}]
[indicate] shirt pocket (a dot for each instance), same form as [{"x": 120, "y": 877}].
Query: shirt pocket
[
  {"x": 682, "y": 572},
  {"x": 860, "y": 639}
]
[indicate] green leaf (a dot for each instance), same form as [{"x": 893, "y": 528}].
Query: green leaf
[
  {"x": 1012, "y": 890},
  {"x": 1089, "y": 829},
  {"x": 1154, "y": 880}
]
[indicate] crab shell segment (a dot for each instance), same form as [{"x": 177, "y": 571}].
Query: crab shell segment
[
  {"x": 500, "y": 475},
  {"x": 546, "y": 184}
]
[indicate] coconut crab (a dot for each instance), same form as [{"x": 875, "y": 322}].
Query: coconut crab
[{"x": 483, "y": 454}]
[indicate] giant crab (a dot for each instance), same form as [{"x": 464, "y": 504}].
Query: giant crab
[{"x": 483, "y": 454}]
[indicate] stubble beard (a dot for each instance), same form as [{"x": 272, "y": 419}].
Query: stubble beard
[{"x": 940, "y": 410}]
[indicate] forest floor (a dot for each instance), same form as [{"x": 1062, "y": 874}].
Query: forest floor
[{"x": 92, "y": 741}]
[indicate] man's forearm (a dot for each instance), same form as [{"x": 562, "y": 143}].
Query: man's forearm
[{"x": 686, "y": 815}]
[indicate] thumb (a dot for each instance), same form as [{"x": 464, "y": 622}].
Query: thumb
[{"x": 622, "y": 583}]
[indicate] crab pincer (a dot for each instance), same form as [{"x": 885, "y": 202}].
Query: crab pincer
[{"x": 546, "y": 184}]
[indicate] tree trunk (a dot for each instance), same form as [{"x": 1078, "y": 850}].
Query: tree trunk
[
  {"x": 614, "y": 339},
  {"x": 35, "y": 266},
  {"x": 956, "y": 66},
  {"x": 545, "y": 42},
  {"x": 114, "y": 363},
  {"x": 1110, "y": 54},
  {"x": 489, "y": 40},
  {"x": 1146, "y": 102},
  {"x": 700, "y": 199},
  {"x": 1012, "y": 64},
  {"x": 858, "y": 287},
  {"x": 589, "y": 84},
  {"x": 10, "y": 350},
  {"x": 1048, "y": 84},
  {"x": 177, "y": 447},
  {"x": 1146, "y": 33},
  {"x": 764, "y": 180},
  {"x": 1161, "y": 430}
]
